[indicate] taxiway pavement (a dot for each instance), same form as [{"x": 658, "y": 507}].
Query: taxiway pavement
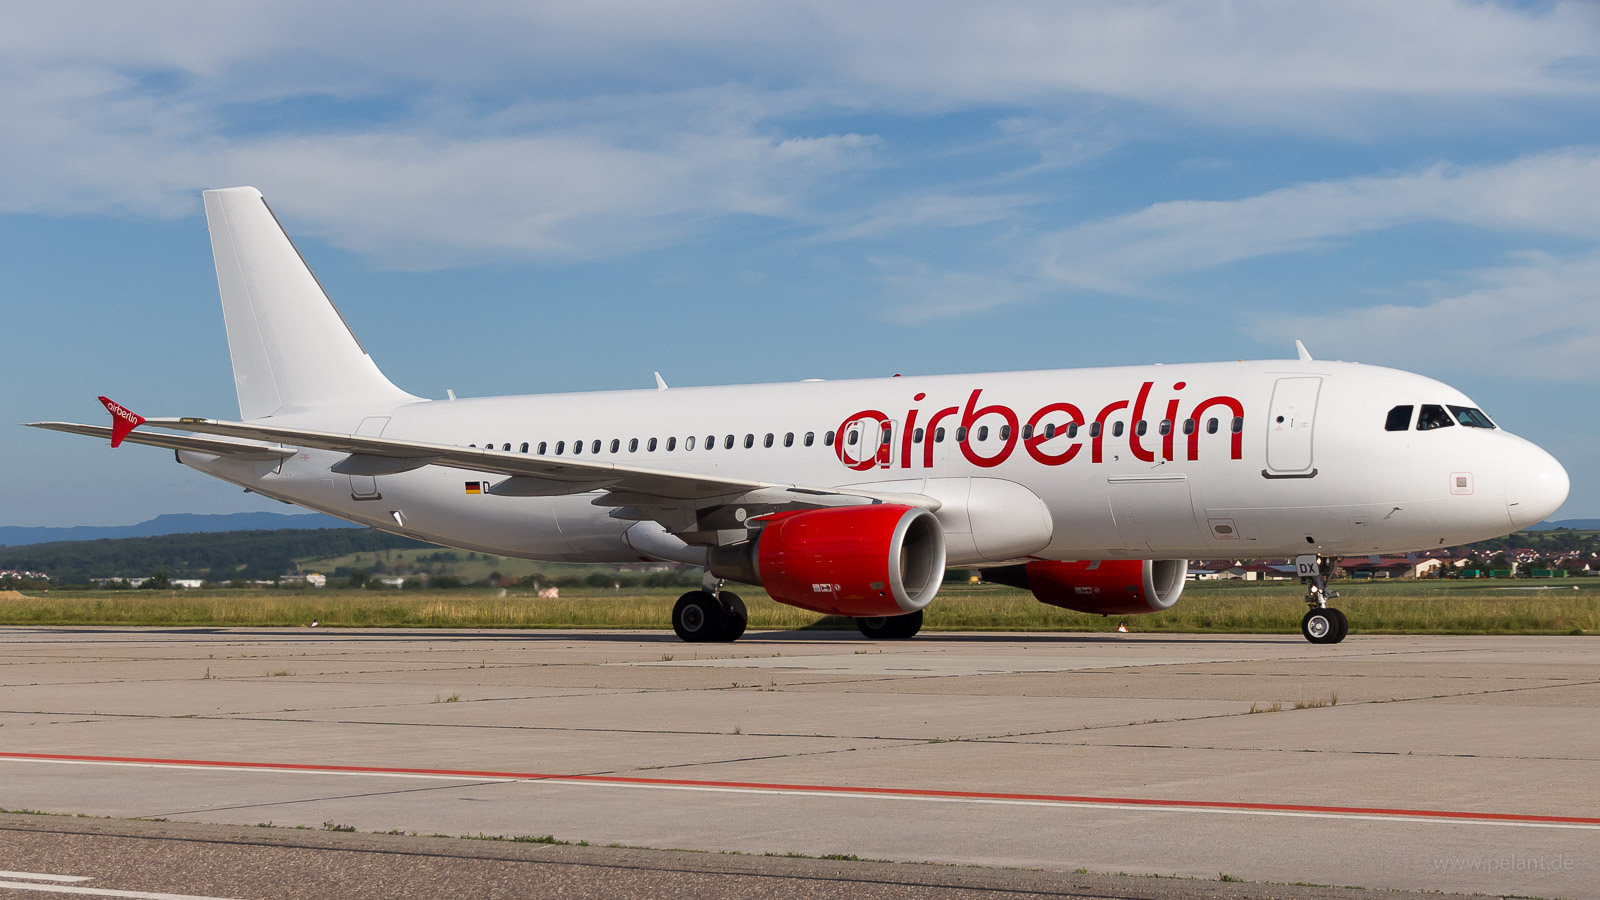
[{"x": 1461, "y": 764}]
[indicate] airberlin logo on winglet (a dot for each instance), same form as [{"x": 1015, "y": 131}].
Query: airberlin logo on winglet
[
  {"x": 1050, "y": 435},
  {"x": 122, "y": 421}
]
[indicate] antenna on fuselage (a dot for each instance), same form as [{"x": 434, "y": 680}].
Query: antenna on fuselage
[{"x": 1305, "y": 355}]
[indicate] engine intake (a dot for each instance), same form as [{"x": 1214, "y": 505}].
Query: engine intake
[
  {"x": 1109, "y": 587},
  {"x": 864, "y": 561}
]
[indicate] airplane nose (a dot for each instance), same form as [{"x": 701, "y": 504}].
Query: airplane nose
[{"x": 1536, "y": 486}]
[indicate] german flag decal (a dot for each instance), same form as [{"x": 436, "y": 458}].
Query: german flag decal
[{"x": 474, "y": 487}]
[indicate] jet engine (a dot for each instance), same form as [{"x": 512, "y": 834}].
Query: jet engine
[
  {"x": 1110, "y": 587},
  {"x": 862, "y": 561}
]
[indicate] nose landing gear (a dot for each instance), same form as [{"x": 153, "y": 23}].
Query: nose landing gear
[{"x": 1322, "y": 623}]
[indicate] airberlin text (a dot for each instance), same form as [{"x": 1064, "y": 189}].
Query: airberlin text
[{"x": 1050, "y": 434}]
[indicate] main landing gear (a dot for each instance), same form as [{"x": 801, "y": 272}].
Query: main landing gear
[
  {"x": 709, "y": 615},
  {"x": 1322, "y": 623},
  {"x": 890, "y": 628}
]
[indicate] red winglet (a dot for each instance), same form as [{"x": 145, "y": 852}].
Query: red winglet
[{"x": 122, "y": 421}]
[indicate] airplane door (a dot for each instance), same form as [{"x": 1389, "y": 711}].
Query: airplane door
[
  {"x": 1289, "y": 427},
  {"x": 365, "y": 487},
  {"x": 1154, "y": 513}
]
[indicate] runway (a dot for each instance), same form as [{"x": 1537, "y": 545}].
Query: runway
[{"x": 1461, "y": 764}]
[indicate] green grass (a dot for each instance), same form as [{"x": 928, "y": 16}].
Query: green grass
[{"x": 1486, "y": 607}]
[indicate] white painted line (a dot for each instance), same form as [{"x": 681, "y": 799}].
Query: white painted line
[
  {"x": 99, "y": 892},
  {"x": 36, "y": 876}
]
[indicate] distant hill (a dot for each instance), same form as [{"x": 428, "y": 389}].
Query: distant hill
[
  {"x": 1571, "y": 524},
  {"x": 182, "y": 523},
  {"x": 215, "y": 556}
]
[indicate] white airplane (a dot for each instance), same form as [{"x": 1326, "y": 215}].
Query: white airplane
[{"x": 1090, "y": 487}]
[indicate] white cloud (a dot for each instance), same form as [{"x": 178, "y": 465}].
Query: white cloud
[
  {"x": 1550, "y": 194},
  {"x": 1538, "y": 317}
]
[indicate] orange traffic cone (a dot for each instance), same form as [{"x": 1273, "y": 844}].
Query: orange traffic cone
[{"x": 1122, "y": 627}]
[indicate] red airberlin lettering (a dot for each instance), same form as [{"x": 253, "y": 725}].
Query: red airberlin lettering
[{"x": 1050, "y": 436}]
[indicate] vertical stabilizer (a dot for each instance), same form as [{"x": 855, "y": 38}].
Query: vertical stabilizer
[{"x": 291, "y": 348}]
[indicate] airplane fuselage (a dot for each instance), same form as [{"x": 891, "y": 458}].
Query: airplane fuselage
[{"x": 1237, "y": 460}]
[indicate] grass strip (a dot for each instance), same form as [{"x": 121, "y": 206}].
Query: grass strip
[{"x": 1520, "y": 607}]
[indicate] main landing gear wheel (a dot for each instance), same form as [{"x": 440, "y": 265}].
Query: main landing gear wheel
[
  {"x": 892, "y": 628},
  {"x": 701, "y": 617},
  {"x": 1324, "y": 625}
]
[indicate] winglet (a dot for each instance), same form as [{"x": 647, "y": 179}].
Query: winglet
[
  {"x": 661, "y": 383},
  {"x": 1305, "y": 355},
  {"x": 122, "y": 420}
]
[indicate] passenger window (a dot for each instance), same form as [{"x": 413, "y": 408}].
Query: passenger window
[
  {"x": 1211, "y": 426},
  {"x": 561, "y": 447},
  {"x": 1094, "y": 430},
  {"x": 1072, "y": 430},
  {"x": 916, "y": 436},
  {"x": 615, "y": 445},
  {"x": 1005, "y": 432},
  {"x": 1188, "y": 426},
  {"x": 727, "y": 442},
  {"x": 506, "y": 447},
  {"x": 961, "y": 433},
  {"x": 810, "y": 436},
  {"x": 1399, "y": 418},
  {"x": 1166, "y": 427},
  {"x": 1116, "y": 429},
  {"x": 577, "y": 447},
  {"x": 1027, "y": 432},
  {"x": 1140, "y": 427},
  {"x": 524, "y": 446},
  {"x": 983, "y": 432},
  {"x": 749, "y": 441},
  {"x": 711, "y": 442},
  {"x": 767, "y": 441},
  {"x": 672, "y": 444},
  {"x": 851, "y": 440},
  {"x": 633, "y": 445},
  {"x": 827, "y": 439},
  {"x": 887, "y": 435},
  {"x": 788, "y": 439},
  {"x": 1433, "y": 416},
  {"x": 1049, "y": 431},
  {"x": 1470, "y": 417},
  {"x": 688, "y": 443},
  {"x": 473, "y": 446},
  {"x": 1238, "y": 424},
  {"x": 651, "y": 446},
  {"x": 542, "y": 447}
]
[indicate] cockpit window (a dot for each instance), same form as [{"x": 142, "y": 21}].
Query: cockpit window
[
  {"x": 1399, "y": 418},
  {"x": 1433, "y": 416},
  {"x": 1470, "y": 417}
]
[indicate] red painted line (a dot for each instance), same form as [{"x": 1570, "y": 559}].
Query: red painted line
[{"x": 1237, "y": 806}]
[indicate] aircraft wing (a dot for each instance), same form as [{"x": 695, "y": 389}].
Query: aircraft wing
[
  {"x": 626, "y": 487},
  {"x": 235, "y": 449}
]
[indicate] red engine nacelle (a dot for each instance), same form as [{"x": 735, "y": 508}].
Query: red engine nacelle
[
  {"x": 1109, "y": 587},
  {"x": 878, "y": 560}
]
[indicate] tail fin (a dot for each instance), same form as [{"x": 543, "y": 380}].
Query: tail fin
[{"x": 291, "y": 348}]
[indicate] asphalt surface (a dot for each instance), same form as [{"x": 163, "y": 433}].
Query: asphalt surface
[
  {"x": 967, "y": 763},
  {"x": 213, "y": 862}
]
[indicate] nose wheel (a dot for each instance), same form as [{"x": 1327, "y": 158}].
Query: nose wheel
[{"x": 1322, "y": 623}]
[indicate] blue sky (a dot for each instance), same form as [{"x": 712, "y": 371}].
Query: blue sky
[{"x": 523, "y": 197}]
